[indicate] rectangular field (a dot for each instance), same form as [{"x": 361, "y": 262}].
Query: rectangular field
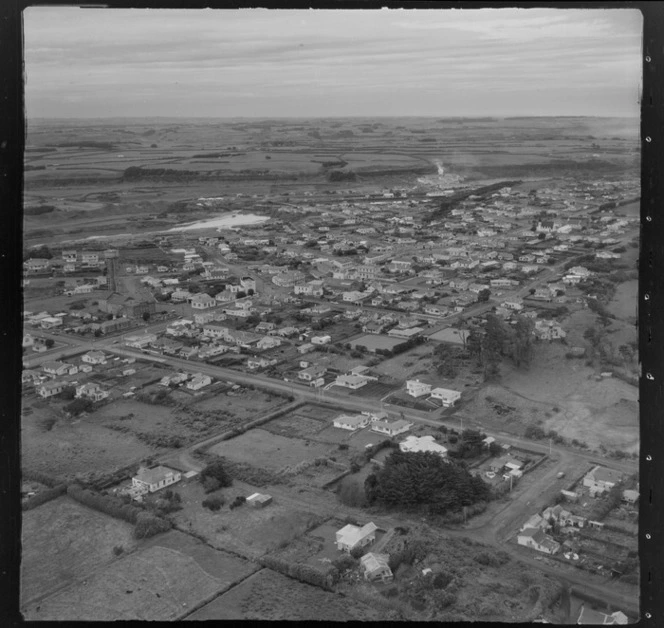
[
  {"x": 269, "y": 451},
  {"x": 64, "y": 540},
  {"x": 245, "y": 530},
  {"x": 270, "y": 596},
  {"x": 166, "y": 577}
]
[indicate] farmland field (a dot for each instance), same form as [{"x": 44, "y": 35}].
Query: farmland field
[
  {"x": 270, "y": 596},
  {"x": 270, "y": 451},
  {"x": 63, "y": 541},
  {"x": 161, "y": 581}
]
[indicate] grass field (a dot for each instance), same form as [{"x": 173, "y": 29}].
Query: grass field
[
  {"x": 246, "y": 405},
  {"x": 604, "y": 412},
  {"x": 63, "y": 541},
  {"x": 73, "y": 447},
  {"x": 269, "y": 451},
  {"x": 246, "y": 530},
  {"x": 270, "y": 596},
  {"x": 161, "y": 581}
]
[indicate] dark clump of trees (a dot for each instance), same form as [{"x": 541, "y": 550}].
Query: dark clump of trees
[
  {"x": 424, "y": 479},
  {"x": 37, "y": 210},
  {"x": 148, "y": 525},
  {"x": 341, "y": 175},
  {"x": 215, "y": 476},
  {"x": 501, "y": 340},
  {"x": 213, "y": 503},
  {"x": 78, "y": 406}
]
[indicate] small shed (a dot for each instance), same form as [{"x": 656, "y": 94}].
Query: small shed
[{"x": 258, "y": 500}]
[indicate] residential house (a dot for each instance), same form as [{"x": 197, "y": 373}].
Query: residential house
[
  {"x": 536, "y": 539},
  {"x": 422, "y": 443},
  {"x": 351, "y": 536},
  {"x": 70, "y": 256},
  {"x": 94, "y": 357},
  {"x": 56, "y": 368},
  {"x": 203, "y": 301},
  {"x": 600, "y": 479},
  {"x": 212, "y": 350},
  {"x": 36, "y": 264},
  {"x": 416, "y": 388},
  {"x": 50, "y": 389},
  {"x": 351, "y": 422},
  {"x": 89, "y": 258},
  {"x": 376, "y": 567},
  {"x": 49, "y": 322},
  {"x": 446, "y": 396},
  {"x": 321, "y": 340},
  {"x": 630, "y": 496},
  {"x": 199, "y": 381},
  {"x": 91, "y": 391},
  {"x": 548, "y": 330},
  {"x": 311, "y": 373},
  {"x": 391, "y": 428},
  {"x": 351, "y": 381},
  {"x": 268, "y": 342},
  {"x": 152, "y": 480}
]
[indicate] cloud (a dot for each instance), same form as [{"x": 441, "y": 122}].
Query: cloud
[{"x": 412, "y": 58}]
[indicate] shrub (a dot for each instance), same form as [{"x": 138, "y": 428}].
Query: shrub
[
  {"x": 213, "y": 503},
  {"x": 343, "y": 446},
  {"x": 357, "y": 552},
  {"x": 217, "y": 471},
  {"x": 238, "y": 501},
  {"x": 117, "y": 550},
  {"x": 148, "y": 525}
]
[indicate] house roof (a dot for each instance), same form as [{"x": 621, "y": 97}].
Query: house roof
[
  {"x": 350, "y": 420},
  {"x": 374, "y": 562},
  {"x": 351, "y": 534},
  {"x": 154, "y": 476}
]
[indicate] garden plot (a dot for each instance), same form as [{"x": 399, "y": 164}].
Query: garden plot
[
  {"x": 271, "y": 596},
  {"x": 304, "y": 422},
  {"x": 269, "y": 451},
  {"x": 160, "y": 582},
  {"x": 64, "y": 540}
]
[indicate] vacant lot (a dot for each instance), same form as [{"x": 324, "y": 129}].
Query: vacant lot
[
  {"x": 246, "y": 530},
  {"x": 72, "y": 447},
  {"x": 603, "y": 412},
  {"x": 269, "y": 451},
  {"x": 270, "y": 596},
  {"x": 64, "y": 540},
  {"x": 414, "y": 363},
  {"x": 306, "y": 421},
  {"x": 247, "y": 404},
  {"x": 159, "y": 582}
]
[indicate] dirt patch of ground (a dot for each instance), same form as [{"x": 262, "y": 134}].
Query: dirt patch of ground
[
  {"x": 269, "y": 451},
  {"x": 249, "y": 531},
  {"x": 159, "y": 582},
  {"x": 73, "y": 447},
  {"x": 64, "y": 540},
  {"x": 271, "y": 596}
]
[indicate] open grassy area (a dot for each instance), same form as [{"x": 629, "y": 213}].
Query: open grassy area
[
  {"x": 74, "y": 447},
  {"x": 269, "y": 451},
  {"x": 161, "y": 581},
  {"x": 270, "y": 596},
  {"x": 246, "y": 530},
  {"x": 63, "y": 541},
  {"x": 248, "y": 404},
  {"x": 603, "y": 412}
]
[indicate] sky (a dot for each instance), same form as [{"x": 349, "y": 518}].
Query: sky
[{"x": 96, "y": 63}]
